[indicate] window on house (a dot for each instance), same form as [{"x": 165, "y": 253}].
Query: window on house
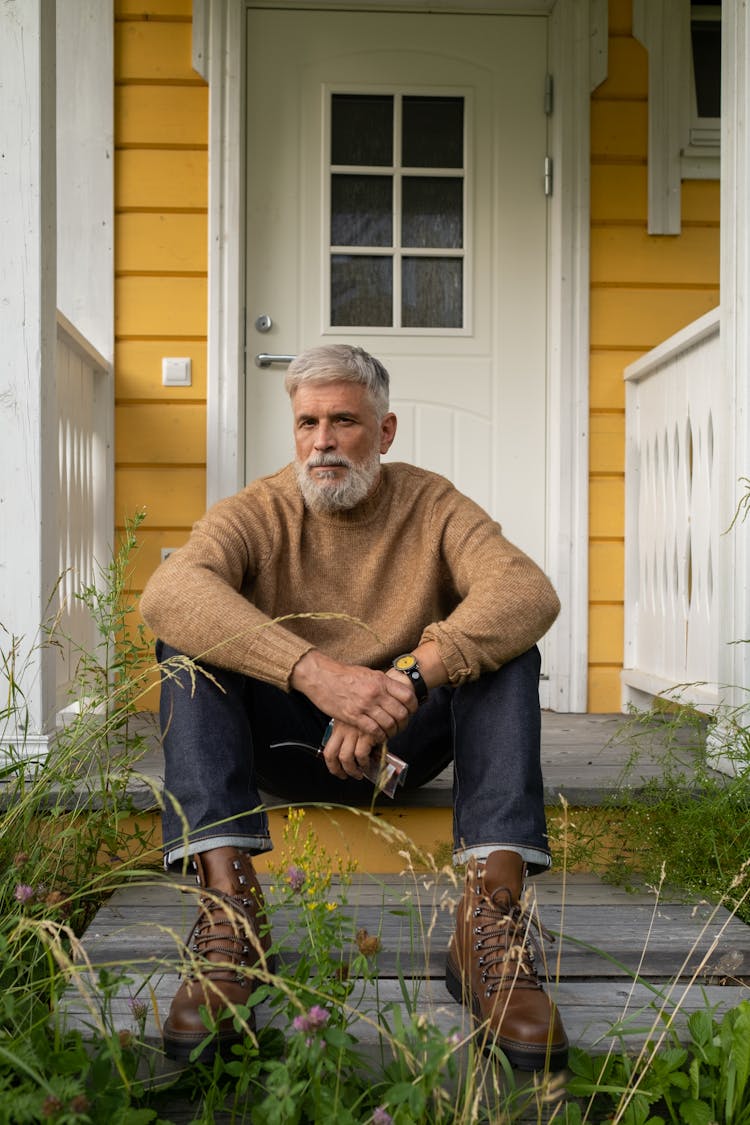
[
  {"x": 705, "y": 93},
  {"x": 396, "y": 206}
]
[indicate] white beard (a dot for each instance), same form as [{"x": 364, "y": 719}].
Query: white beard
[{"x": 326, "y": 493}]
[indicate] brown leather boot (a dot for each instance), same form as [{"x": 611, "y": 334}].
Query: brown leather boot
[
  {"x": 227, "y": 944},
  {"x": 490, "y": 967}
]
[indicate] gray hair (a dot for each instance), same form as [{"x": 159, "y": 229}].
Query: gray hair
[{"x": 336, "y": 363}]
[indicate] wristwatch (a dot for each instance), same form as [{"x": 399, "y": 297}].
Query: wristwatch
[{"x": 407, "y": 663}]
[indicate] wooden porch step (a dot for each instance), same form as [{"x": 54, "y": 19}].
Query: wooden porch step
[
  {"x": 583, "y": 760},
  {"x": 622, "y": 959}
]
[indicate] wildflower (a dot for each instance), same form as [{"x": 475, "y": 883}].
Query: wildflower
[
  {"x": 79, "y": 1104},
  {"x": 54, "y": 898},
  {"x": 313, "y": 1020},
  {"x": 295, "y": 877},
  {"x": 125, "y": 1037},
  {"x": 381, "y": 1116},
  {"x": 367, "y": 943},
  {"x": 23, "y": 892},
  {"x": 51, "y": 1106},
  {"x": 19, "y": 859},
  {"x": 138, "y": 1009}
]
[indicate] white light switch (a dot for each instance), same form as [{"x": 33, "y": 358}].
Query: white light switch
[{"x": 176, "y": 372}]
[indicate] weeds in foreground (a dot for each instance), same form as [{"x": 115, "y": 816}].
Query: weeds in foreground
[
  {"x": 705, "y": 1080},
  {"x": 688, "y": 818}
]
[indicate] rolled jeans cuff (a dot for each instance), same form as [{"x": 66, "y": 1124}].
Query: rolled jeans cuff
[
  {"x": 535, "y": 859},
  {"x": 174, "y": 858}
]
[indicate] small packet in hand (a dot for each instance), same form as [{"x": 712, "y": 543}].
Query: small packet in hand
[{"x": 386, "y": 771}]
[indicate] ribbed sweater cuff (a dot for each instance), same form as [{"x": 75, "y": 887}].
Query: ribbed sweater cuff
[{"x": 452, "y": 657}]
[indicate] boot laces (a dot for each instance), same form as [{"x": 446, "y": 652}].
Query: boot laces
[
  {"x": 505, "y": 942},
  {"x": 223, "y": 929}
]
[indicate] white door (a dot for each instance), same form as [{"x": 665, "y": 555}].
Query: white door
[{"x": 395, "y": 199}]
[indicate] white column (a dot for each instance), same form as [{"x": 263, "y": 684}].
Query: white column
[
  {"x": 220, "y": 50},
  {"x": 28, "y": 413},
  {"x": 85, "y": 219},
  {"x": 734, "y": 434},
  {"x": 85, "y": 169}
]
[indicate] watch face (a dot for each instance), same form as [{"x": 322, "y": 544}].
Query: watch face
[{"x": 405, "y": 663}]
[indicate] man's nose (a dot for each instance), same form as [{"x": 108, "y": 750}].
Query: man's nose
[{"x": 325, "y": 437}]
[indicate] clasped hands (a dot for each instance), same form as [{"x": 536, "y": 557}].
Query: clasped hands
[{"x": 368, "y": 707}]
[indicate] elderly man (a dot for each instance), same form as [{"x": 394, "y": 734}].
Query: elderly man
[{"x": 406, "y": 618}]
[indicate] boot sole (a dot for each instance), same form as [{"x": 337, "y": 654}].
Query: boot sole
[
  {"x": 180, "y": 1048},
  {"x": 517, "y": 1054}
]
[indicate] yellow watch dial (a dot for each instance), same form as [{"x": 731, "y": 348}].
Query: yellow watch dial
[{"x": 404, "y": 663}]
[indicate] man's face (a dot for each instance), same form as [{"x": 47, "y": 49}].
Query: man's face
[{"x": 338, "y": 440}]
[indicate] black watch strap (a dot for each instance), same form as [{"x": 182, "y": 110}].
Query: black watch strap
[{"x": 408, "y": 665}]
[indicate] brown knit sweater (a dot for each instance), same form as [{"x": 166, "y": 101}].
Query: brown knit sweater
[{"x": 416, "y": 561}]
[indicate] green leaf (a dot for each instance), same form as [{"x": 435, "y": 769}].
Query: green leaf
[
  {"x": 700, "y": 1026},
  {"x": 636, "y": 1112},
  {"x": 694, "y": 1112},
  {"x": 399, "y": 1092},
  {"x": 137, "y": 1116},
  {"x": 741, "y": 1048},
  {"x": 695, "y": 1077}
]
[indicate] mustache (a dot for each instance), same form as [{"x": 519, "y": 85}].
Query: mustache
[{"x": 333, "y": 460}]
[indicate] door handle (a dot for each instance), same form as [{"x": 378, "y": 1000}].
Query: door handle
[{"x": 263, "y": 359}]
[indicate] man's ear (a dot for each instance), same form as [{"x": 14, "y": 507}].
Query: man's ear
[{"x": 387, "y": 432}]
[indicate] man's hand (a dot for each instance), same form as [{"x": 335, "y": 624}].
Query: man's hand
[{"x": 369, "y": 707}]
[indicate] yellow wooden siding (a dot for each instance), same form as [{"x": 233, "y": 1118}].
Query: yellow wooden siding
[
  {"x": 178, "y": 178},
  {"x": 161, "y": 205},
  {"x": 643, "y": 288}
]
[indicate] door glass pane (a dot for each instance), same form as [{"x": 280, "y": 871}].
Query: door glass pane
[
  {"x": 432, "y": 293},
  {"x": 361, "y": 290},
  {"x": 432, "y": 212},
  {"x": 362, "y": 129},
  {"x": 361, "y": 210},
  {"x": 433, "y": 132}
]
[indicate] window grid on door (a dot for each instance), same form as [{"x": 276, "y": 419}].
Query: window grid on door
[{"x": 396, "y": 229}]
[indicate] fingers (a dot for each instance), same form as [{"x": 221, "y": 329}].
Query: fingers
[{"x": 347, "y": 751}]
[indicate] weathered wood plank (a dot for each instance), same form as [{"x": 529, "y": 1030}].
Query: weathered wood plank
[
  {"x": 591, "y": 1010},
  {"x": 146, "y": 923}
]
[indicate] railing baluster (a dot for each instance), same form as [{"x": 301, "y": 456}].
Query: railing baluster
[{"x": 671, "y": 536}]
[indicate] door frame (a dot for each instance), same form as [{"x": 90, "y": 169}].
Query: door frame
[{"x": 577, "y": 52}]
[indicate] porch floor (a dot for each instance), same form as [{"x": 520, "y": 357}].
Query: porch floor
[{"x": 622, "y": 961}]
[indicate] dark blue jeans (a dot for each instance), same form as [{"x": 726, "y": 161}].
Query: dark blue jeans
[{"x": 218, "y": 728}]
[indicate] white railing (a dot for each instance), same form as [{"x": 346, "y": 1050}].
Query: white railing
[
  {"x": 84, "y": 402},
  {"x": 672, "y": 518}
]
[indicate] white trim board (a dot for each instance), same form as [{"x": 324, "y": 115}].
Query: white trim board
[{"x": 577, "y": 36}]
